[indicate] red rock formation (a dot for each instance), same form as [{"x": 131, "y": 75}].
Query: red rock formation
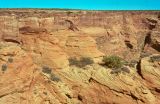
[{"x": 37, "y": 38}]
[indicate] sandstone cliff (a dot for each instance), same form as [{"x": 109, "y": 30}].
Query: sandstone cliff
[{"x": 33, "y": 39}]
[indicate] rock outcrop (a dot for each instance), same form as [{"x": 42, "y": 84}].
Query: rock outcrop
[{"x": 35, "y": 46}]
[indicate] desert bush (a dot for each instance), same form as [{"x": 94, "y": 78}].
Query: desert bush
[
  {"x": 53, "y": 77},
  {"x": 113, "y": 61},
  {"x": 46, "y": 69},
  {"x": 73, "y": 61},
  {"x": 85, "y": 61},
  {"x": 82, "y": 62},
  {"x": 4, "y": 67},
  {"x": 10, "y": 59}
]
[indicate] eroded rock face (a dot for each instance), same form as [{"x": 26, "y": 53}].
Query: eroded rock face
[
  {"x": 17, "y": 76},
  {"x": 9, "y": 29},
  {"x": 32, "y": 39},
  {"x": 82, "y": 46},
  {"x": 150, "y": 70}
]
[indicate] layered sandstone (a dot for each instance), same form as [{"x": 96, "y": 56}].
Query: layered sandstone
[{"x": 31, "y": 39}]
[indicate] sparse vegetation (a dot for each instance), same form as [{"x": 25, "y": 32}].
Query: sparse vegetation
[
  {"x": 53, "y": 77},
  {"x": 10, "y": 59},
  {"x": 73, "y": 61},
  {"x": 113, "y": 61},
  {"x": 86, "y": 61},
  {"x": 116, "y": 64},
  {"x": 82, "y": 62},
  {"x": 4, "y": 67},
  {"x": 46, "y": 69}
]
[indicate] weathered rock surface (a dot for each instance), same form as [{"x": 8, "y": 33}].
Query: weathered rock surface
[
  {"x": 32, "y": 39},
  {"x": 149, "y": 69}
]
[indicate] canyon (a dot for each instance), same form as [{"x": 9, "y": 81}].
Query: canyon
[{"x": 32, "y": 40}]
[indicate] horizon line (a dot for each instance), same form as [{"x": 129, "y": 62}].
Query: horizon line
[
  {"x": 81, "y": 9},
  {"x": 83, "y": 4}
]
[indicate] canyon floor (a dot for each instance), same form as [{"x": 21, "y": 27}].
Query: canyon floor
[{"x": 36, "y": 45}]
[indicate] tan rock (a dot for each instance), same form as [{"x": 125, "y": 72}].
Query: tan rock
[
  {"x": 47, "y": 23},
  {"x": 45, "y": 51},
  {"x": 82, "y": 45},
  {"x": 150, "y": 72},
  {"x": 29, "y": 21},
  {"x": 9, "y": 29},
  {"x": 99, "y": 86}
]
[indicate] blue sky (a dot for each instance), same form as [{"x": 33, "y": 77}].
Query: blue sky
[{"x": 84, "y": 4}]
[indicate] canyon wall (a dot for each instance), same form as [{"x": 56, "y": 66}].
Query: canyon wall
[{"x": 36, "y": 38}]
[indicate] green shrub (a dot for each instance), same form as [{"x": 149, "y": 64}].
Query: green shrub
[
  {"x": 4, "y": 67},
  {"x": 46, "y": 69},
  {"x": 82, "y": 62},
  {"x": 113, "y": 61}
]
